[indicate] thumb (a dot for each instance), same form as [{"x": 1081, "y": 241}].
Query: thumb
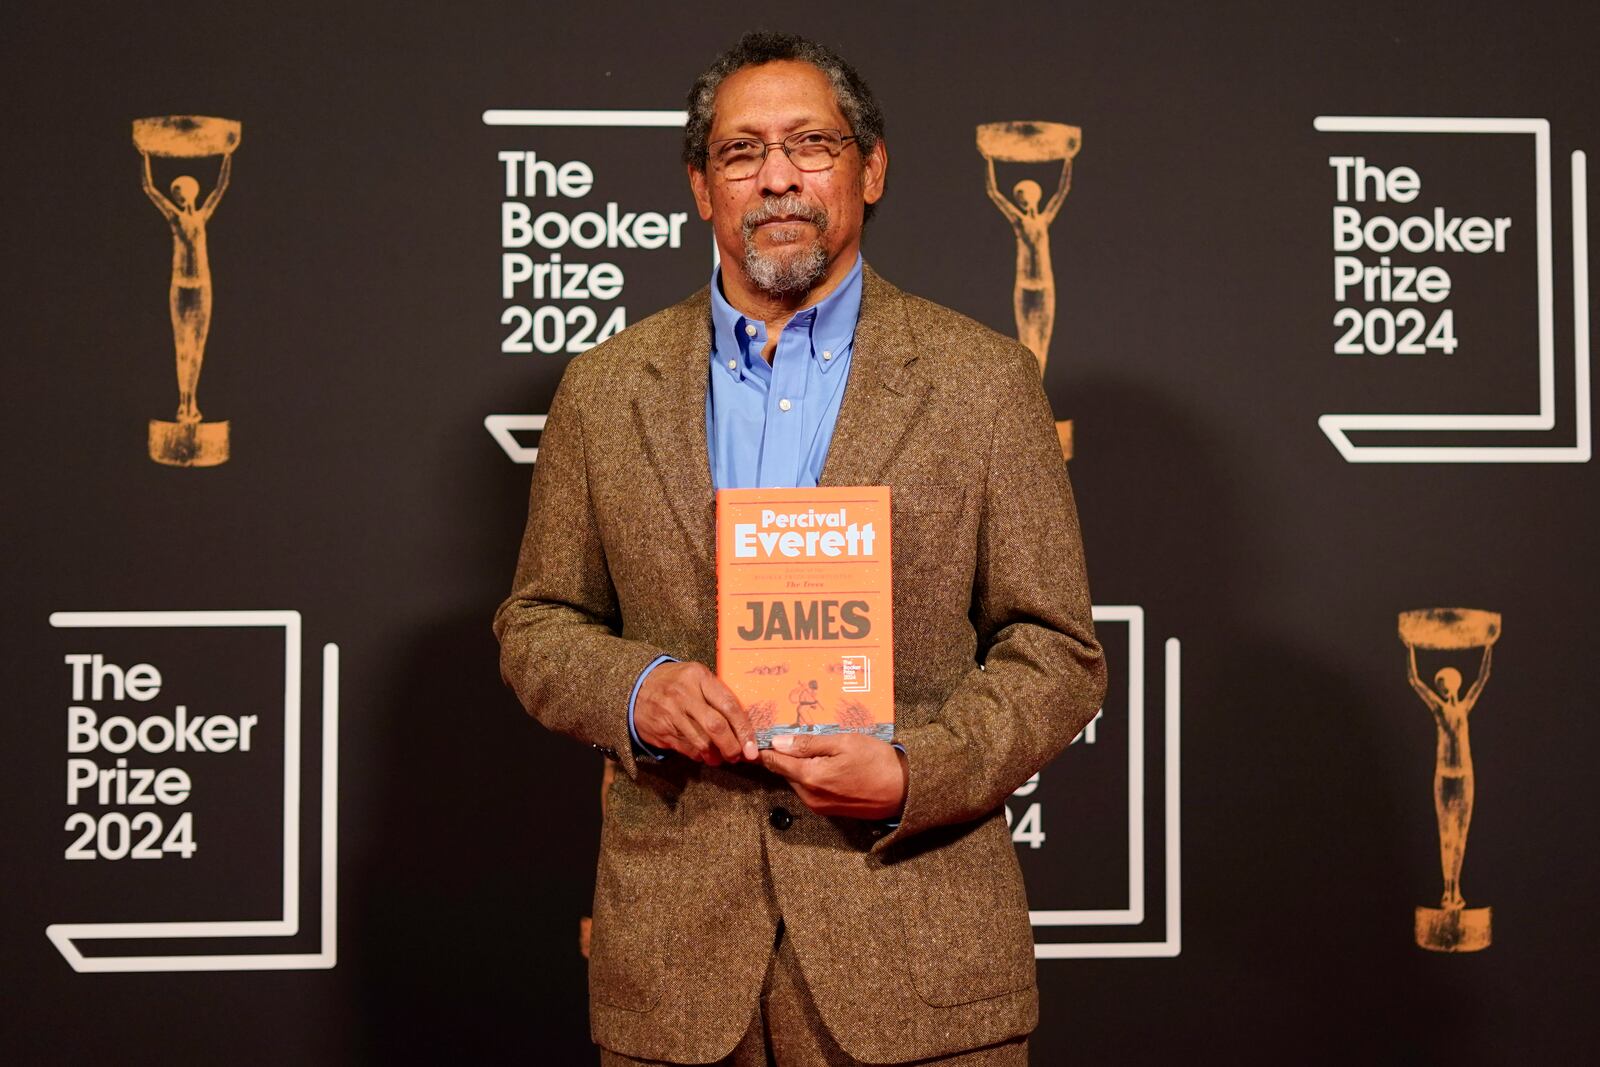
[
  {"x": 807, "y": 745},
  {"x": 780, "y": 764}
]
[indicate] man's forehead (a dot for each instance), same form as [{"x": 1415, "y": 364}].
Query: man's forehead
[{"x": 784, "y": 94}]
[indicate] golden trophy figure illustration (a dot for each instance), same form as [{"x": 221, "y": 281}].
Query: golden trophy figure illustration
[
  {"x": 1452, "y": 926},
  {"x": 1034, "y": 297},
  {"x": 188, "y": 441}
]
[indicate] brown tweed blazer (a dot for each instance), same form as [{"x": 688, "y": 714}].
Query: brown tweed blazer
[{"x": 914, "y": 942}]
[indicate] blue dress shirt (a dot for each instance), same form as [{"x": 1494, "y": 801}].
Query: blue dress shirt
[{"x": 769, "y": 427}]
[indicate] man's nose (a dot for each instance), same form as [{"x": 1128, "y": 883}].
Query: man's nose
[{"x": 778, "y": 174}]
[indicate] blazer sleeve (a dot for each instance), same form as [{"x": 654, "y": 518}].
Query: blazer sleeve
[
  {"x": 559, "y": 630},
  {"x": 1043, "y": 674}
]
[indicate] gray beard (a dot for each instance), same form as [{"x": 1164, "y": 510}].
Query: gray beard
[{"x": 794, "y": 271}]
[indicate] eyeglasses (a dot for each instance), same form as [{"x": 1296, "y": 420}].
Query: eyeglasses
[{"x": 737, "y": 158}]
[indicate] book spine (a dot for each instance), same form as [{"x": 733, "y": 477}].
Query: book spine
[{"x": 720, "y": 553}]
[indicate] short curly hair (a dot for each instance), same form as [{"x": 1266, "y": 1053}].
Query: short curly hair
[{"x": 854, "y": 97}]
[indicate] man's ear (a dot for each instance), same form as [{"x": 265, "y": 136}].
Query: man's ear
[
  {"x": 874, "y": 172},
  {"x": 701, "y": 191}
]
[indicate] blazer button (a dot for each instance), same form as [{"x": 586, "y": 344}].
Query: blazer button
[{"x": 780, "y": 819}]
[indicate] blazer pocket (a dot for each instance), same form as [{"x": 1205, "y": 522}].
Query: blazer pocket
[
  {"x": 965, "y": 913},
  {"x": 926, "y": 526},
  {"x": 650, "y": 803},
  {"x": 626, "y": 968}
]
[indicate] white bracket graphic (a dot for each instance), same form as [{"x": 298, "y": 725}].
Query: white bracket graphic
[
  {"x": 501, "y": 427},
  {"x": 573, "y": 117},
  {"x": 1336, "y": 427},
  {"x": 66, "y": 936},
  {"x": 1134, "y": 914}
]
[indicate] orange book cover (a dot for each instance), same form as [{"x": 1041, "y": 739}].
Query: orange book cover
[{"x": 805, "y": 624}]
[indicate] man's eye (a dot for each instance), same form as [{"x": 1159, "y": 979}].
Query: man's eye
[{"x": 736, "y": 147}]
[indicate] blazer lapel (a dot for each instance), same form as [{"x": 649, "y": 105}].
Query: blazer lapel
[
  {"x": 881, "y": 401},
  {"x": 669, "y": 411},
  {"x": 884, "y": 393}
]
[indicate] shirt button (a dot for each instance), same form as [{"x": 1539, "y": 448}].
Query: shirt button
[
  {"x": 732, "y": 363},
  {"x": 750, "y": 329},
  {"x": 784, "y": 405},
  {"x": 780, "y": 819},
  {"x": 827, "y": 356}
]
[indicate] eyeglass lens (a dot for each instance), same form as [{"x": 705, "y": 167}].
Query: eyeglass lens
[{"x": 809, "y": 150}]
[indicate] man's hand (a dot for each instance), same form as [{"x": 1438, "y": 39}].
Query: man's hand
[
  {"x": 850, "y": 775},
  {"x": 686, "y": 708}
]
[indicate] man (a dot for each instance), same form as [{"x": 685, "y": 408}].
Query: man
[{"x": 842, "y": 900}]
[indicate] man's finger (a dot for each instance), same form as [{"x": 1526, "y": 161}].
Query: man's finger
[
  {"x": 728, "y": 745},
  {"x": 796, "y": 771},
  {"x": 693, "y": 742},
  {"x": 787, "y": 766},
  {"x": 716, "y": 693},
  {"x": 808, "y": 746}
]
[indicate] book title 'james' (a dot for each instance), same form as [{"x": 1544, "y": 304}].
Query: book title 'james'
[{"x": 806, "y": 620}]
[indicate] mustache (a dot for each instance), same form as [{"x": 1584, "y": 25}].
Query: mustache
[{"x": 787, "y": 206}]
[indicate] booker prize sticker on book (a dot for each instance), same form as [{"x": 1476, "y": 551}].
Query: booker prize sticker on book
[{"x": 805, "y": 628}]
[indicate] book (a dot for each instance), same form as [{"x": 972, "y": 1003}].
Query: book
[{"x": 805, "y": 615}]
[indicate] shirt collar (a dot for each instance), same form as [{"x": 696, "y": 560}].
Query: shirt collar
[{"x": 831, "y": 323}]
